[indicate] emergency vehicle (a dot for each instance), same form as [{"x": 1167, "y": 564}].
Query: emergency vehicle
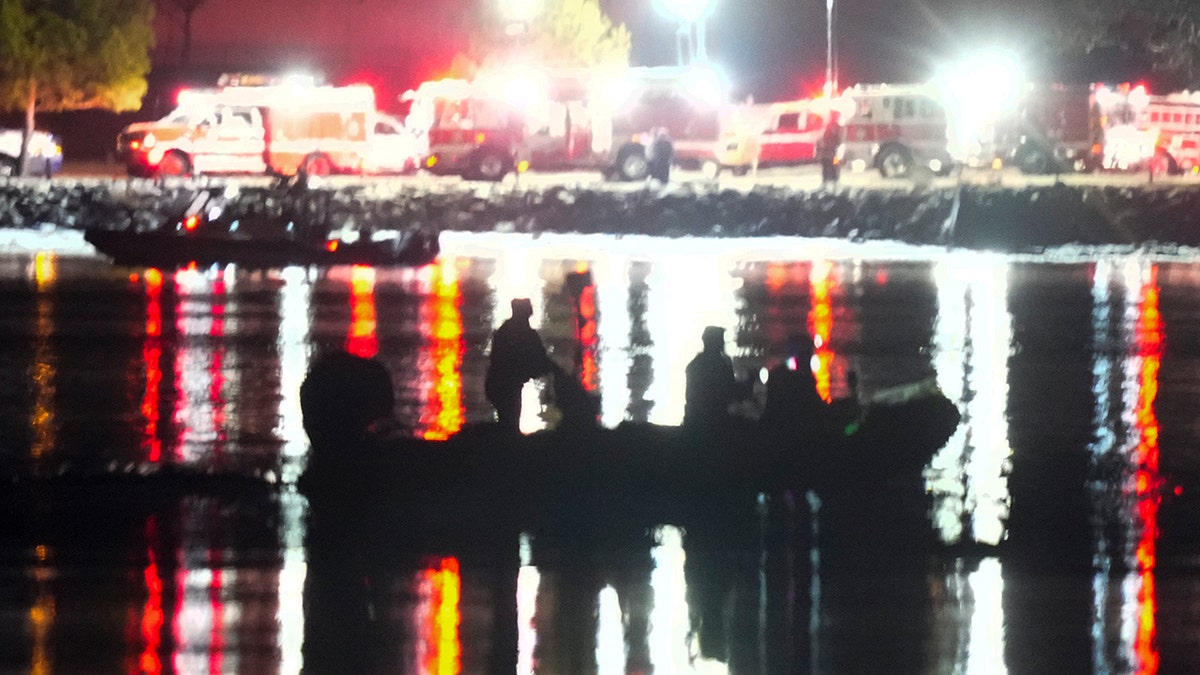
[
  {"x": 567, "y": 119},
  {"x": 1165, "y": 129},
  {"x": 784, "y": 133},
  {"x": 274, "y": 128},
  {"x": 894, "y": 128}
]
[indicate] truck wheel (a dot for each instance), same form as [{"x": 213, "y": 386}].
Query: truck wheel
[
  {"x": 174, "y": 163},
  {"x": 8, "y": 166},
  {"x": 317, "y": 165},
  {"x": 894, "y": 163},
  {"x": 632, "y": 164},
  {"x": 490, "y": 165},
  {"x": 1034, "y": 161}
]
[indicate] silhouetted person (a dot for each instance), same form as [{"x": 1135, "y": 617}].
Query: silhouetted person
[
  {"x": 711, "y": 385},
  {"x": 795, "y": 415},
  {"x": 659, "y": 156},
  {"x": 829, "y": 151},
  {"x": 848, "y": 412},
  {"x": 517, "y": 356}
]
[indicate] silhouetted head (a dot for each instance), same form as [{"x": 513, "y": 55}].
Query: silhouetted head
[
  {"x": 713, "y": 338},
  {"x": 799, "y": 345},
  {"x": 522, "y": 308}
]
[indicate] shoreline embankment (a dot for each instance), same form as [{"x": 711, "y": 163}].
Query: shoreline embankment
[{"x": 967, "y": 216}]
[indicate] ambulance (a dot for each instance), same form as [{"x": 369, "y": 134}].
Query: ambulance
[
  {"x": 277, "y": 129},
  {"x": 895, "y": 128}
]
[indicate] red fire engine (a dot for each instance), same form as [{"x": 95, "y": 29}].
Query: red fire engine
[{"x": 566, "y": 119}]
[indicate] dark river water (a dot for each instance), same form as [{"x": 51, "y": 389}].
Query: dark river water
[{"x": 1057, "y": 531}]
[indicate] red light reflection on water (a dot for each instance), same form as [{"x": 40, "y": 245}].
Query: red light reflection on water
[
  {"x": 444, "y": 415},
  {"x": 443, "y": 649},
  {"x": 152, "y": 357},
  {"x": 587, "y": 335},
  {"x": 1149, "y": 342},
  {"x": 362, "y": 340},
  {"x": 152, "y": 610},
  {"x": 820, "y": 323}
]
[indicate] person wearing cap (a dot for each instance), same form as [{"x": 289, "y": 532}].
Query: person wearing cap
[
  {"x": 711, "y": 385},
  {"x": 517, "y": 356}
]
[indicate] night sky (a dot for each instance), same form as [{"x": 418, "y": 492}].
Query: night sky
[{"x": 773, "y": 49}]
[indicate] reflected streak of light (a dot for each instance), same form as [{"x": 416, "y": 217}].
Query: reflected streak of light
[
  {"x": 443, "y": 650},
  {"x": 610, "y": 633},
  {"x": 972, "y": 342},
  {"x": 444, "y": 414},
  {"x": 820, "y": 324},
  {"x": 611, "y": 274},
  {"x": 44, "y": 369},
  {"x": 41, "y": 616},
  {"x": 152, "y": 358},
  {"x": 292, "y": 573},
  {"x": 985, "y": 650},
  {"x": 295, "y": 299},
  {"x": 362, "y": 340},
  {"x": 1149, "y": 341},
  {"x": 152, "y": 611},
  {"x": 588, "y": 338},
  {"x": 528, "y": 582},
  {"x": 669, "y": 617},
  {"x": 199, "y": 410}
]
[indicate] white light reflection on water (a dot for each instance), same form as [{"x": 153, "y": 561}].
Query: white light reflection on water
[
  {"x": 611, "y": 275},
  {"x": 985, "y": 647},
  {"x": 610, "y": 633},
  {"x": 294, "y": 346},
  {"x": 670, "y": 626},
  {"x": 528, "y": 582},
  {"x": 204, "y": 316},
  {"x": 971, "y": 344}
]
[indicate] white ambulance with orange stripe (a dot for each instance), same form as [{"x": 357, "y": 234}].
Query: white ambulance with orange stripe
[
  {"x": 896, "y": 128},
  {"x": 274, "y": 128}
]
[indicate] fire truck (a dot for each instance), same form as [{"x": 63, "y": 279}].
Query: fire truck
[
  {"x": 275, "y": 128},
  {"x": 894, "y": 128},
  {"x": 1165, "y": 130},
  {"x": 567, "y": 119}
]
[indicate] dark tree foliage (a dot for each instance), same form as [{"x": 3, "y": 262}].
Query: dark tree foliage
[
  {"x": 60, "y": 55},
  {"x": 1158, "y": 39}
]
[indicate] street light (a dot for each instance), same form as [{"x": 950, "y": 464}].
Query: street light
[
  {"x": 830, "y": 83},
  {"x": 517, "y": 14},
  {"x": 690, "y": 37}
]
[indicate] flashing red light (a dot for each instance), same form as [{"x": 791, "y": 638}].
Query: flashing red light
[
  {"x": 331, "y": 245},
  {"x": 191, "y": 222}
]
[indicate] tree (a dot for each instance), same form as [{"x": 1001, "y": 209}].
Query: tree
[
  {"x": 1162, "y": 36},
  {"x": 565, "y": 33},
  {"x": 58, "y": 55}
]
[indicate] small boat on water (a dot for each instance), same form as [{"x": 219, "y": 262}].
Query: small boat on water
[
  {"x": 635, "y": 470},
  {"x": 266, "y": 229}
]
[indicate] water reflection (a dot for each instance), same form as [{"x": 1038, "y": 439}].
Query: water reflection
[
  {"x": 44, "y": 371},
  {"x": 203, "y": 599}
]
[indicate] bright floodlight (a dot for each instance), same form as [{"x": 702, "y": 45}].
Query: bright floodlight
[
  {"x": 687, "y": 11},
  {"x": 520, "y": 10},
  {"x": 977, "y": 92}
]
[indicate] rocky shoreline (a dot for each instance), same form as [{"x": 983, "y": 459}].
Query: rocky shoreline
[{"x": 969, "y": 216}]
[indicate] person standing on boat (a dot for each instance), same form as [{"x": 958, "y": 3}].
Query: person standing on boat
[
  {"x": 517, "y": 356},
  {"x": 711, "y": 385}
]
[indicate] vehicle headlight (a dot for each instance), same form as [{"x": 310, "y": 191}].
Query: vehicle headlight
[{"x": 149, "y": 141}]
